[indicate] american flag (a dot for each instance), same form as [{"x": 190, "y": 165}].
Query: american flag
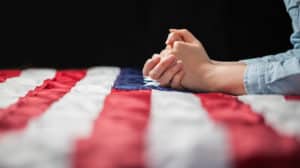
[{"x": 110, "y": 117}]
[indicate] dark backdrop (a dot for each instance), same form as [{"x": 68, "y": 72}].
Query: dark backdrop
[{"x": 125, "y": 33}]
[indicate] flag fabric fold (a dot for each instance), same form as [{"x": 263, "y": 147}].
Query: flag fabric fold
[{"x": 111, "y": 117}]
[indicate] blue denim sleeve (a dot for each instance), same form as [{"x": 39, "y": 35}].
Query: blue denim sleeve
[
  {"x": 280, "y": 73},
  {"x": 271, "y": 58},
  {"x": 277, "y": 77}
]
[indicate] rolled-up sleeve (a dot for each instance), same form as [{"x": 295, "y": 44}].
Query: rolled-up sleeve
[
  {"x": 277, "y": 77},
  {"x": 280, "y": 73},
  {"x": 271, "y": 58}
]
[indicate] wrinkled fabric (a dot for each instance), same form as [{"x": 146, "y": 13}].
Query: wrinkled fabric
[
  {"x": 280, "y": 73},
  {"x": 35, "y": 102},
  {"x": 132, "y": 79},
  {"x": 5, "y": 74},
  {"x": 76, "y": 119}
]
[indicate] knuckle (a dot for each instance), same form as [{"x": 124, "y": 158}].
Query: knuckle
[
  {"x": 173, "y": 70},
  {"x": 164, "y": 63},
  {"x": 174, "y": 52},
  {"x": 148, "y": 61},
  {"x": 164, "y": 54},
  {"x": 167, "y": 76},
  {"x": 155, "y": 55},
  {"x": 178, "y": 44},
  {"x": 165, "y": 79}
]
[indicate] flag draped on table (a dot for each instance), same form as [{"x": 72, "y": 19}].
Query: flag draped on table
[{"x": 110, "y": 117}]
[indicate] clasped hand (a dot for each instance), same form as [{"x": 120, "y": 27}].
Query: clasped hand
[{"x": 183, "y": 64}]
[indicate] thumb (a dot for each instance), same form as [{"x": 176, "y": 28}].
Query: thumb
[
  {"x": 186, "y": 35},
  {"x": 184, "y": 51},
  {"x": 182, "y": 46}
]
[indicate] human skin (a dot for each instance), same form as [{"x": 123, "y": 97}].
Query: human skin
[
  {"x": 165, "y": 68},
  {"x": 184, "y": 63}
]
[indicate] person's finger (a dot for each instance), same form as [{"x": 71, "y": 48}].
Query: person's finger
[
  {"x": 168, "y": 47},
  {"x": 162, "y": 66},
  {"x": 176, "y": 80},
  {"x": 180, "y": 46},
  {"x": 155, "y": 55},
  {"x": 150, "y": 64},
  {"x": 166, "y": 77},
  {"x": 172, "y": 37},
  {"x": 186, "y": 35},
  {"x": 165, "y": 53},
  {"x": 162, "y": 53}
]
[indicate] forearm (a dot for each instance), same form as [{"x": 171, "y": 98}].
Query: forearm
[{"x": 277, "y": 77}]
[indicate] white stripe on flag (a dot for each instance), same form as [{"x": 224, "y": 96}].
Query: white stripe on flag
[
  {"x": 279, "y": 113},
  {"x": 14, "y": 88},
  {"x": 48, "y": 140},
  {"x": 181, "y": 134}
]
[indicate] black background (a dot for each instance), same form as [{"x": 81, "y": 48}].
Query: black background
[{"x": 126, "y": 33}]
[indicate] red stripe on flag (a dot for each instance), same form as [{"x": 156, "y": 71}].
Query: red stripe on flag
[
  {"x": 292, "y": 97},
  {"x": 5, "y": 74},
  {"x": 253, "y": 143},
  {"x": 118, "y": 136},
  {"x": 35, "y": 102}
]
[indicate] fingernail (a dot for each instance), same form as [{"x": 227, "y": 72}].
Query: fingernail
[
  {"x": 155, "y": 56},
  {"x": 179, "y": 61},
  {"x": 168, "y": 38}
]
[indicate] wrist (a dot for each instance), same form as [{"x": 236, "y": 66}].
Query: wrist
[
  {"x": 207, "y": 76},
  {"x": 228, "y": 78}
]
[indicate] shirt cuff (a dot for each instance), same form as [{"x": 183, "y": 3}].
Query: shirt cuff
[{"x": 254, "y": 78}]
